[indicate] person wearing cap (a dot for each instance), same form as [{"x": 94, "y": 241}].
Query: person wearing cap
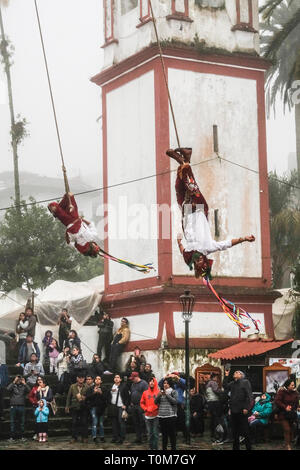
[
  {"x": 240, "y": 403},
  {"x": 137, "y": 389},
  {"x": 76, "y": 403}
]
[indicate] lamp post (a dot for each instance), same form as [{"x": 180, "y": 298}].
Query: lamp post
[{"x": 187, "y": 301}]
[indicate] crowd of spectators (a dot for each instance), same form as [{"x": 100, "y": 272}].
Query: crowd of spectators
[{"x": 134, "y": 393}]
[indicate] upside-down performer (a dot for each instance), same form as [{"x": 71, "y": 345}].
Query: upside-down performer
[
  {"x": 82, "y": 234},
  {"x": 198, "y": 242}
]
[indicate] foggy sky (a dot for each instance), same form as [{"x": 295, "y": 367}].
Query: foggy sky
[{"x": 73, "y": 36}]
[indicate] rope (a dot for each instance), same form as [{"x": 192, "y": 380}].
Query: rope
[
  {"x": 67, "y": 187},
  {"x": 164, "y": 72}
]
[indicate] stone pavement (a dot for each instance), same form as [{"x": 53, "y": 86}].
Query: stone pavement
[{"x": 63, "y": 443}]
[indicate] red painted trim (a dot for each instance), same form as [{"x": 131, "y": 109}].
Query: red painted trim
[
  {"x": 163, "y": 189},
  {"x": 238, "y": 11},
  {"x": 244, "y": 26},
  {"x": 105, "y": 181},
  {"x": 221, "y": 281},
  {"x": 240, "y": 60},
  {"x": 263, "y": 182},
  {"x": 162, "y": 163},
  {"x": 109, "y": 39},
  {"x": 108, "y": 43},
  {"x": 122, "y": 287},
  {"x": 205, "y": 301},
  {"x": 250, "y": 9},
  {"x": 179, "y": 17},
  {"x": 163, "y": 186},
  {"x": 176, "y": 13},
  {"x": 165, "y": 303},
  {"x": 146, "y": 18}
]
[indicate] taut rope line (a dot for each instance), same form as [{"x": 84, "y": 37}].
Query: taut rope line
[
  {"x": 67, "y": 187},
  {"x": 164, "y": 72}
]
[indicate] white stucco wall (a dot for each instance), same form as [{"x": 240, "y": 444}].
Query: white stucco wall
[
  {"x": 215, "y": 325},
  {"x": 201, "y": 101},
  {"x": 131, "y": 155},
  {"x": 212, "y": 25},
  {"x": 142, "y": 327}
]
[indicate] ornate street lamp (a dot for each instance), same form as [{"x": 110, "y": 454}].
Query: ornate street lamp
[{"x": 187, "y": 301}]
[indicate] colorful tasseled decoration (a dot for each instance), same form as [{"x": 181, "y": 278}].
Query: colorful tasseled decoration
[
  {"x": 233, "y": 312},
  {"x": 143, "y": 268}
]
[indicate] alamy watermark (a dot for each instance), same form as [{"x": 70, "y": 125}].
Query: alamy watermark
[
  {"x": 136, "y": 221},
  {"x": 295, "y": 92}
]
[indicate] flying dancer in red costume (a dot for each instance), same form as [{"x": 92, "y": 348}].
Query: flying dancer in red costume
[
  {"x": 80, "y": 233},
  {"x": 198, "y": 242},
  {"x": 83, "y": 235}
]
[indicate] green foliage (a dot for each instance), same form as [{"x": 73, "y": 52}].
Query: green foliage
[
  {"x": 282, "y": 193},
  {"x": 34, "y": 253},
  {"x": 18, "y": 130},
  {"x": 7, "y": 50},
  {"x": 280, "y": 44},
  {"x": 285, "y": 225}
]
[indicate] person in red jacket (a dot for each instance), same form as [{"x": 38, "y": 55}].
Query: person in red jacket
[
  {"x": 81, "y": 233},
  {"x": 151, "y": 412},
  {"x": 287, "y": 401}
]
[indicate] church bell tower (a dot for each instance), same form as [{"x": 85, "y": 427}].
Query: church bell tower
[{"x": 216, "y": 81}]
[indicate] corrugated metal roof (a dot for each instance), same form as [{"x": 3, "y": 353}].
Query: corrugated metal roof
[{"x": 248, "y": 348}]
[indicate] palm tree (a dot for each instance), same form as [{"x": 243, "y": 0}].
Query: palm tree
[
  {"x": 281, "y": 45},
  {"x": 285, "y": 225},
  {"x": 18, "y": 126}
]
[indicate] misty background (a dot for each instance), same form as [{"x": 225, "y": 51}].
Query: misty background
[{"x": 73, "y": 35}]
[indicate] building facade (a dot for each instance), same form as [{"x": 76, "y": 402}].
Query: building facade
[{"x": 216, "y": 81}]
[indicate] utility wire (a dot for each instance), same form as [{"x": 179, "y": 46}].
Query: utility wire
[
  {"x": 108, "y": 187},
  {"x": 148, "y": 177}
]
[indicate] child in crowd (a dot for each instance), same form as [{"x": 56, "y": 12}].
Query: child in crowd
[
  {"x": 47, "y": 338},
  {"x": 42, "y": 414},
  {"x": 53, "y": 355}
]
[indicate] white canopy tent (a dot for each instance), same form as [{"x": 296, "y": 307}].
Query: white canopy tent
[
  {"x": 11, "y": 305},
  {"x": 283, "y": 312},
  {"x": 80, "y": 298}
]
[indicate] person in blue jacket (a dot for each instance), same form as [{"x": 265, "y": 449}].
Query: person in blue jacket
[
  {"x": 261, "y": 413},
  {"x": 42, "y": 414},
  {"x": 3, "y": 383},
  {"x": 28, "y": 347}
]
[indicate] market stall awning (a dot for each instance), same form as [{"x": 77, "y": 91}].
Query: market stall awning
[{"x": 247, "y": 348}]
